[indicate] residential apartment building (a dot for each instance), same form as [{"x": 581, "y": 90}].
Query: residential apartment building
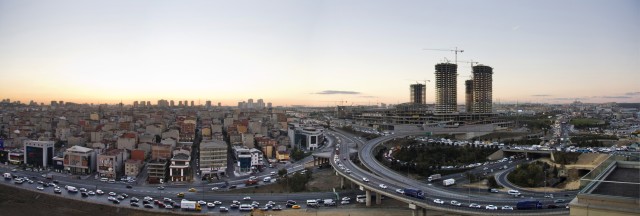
[
  {"x": 160, "y": 151},
  {"x": 132, "y": 167},
  {"x": 127, "y": 141},
  {"x": 213, "y": 157},
  {"x": 180, "y": 169},
  {"x": 257, "y": 158},
  {"x": 157, "y": 171}
]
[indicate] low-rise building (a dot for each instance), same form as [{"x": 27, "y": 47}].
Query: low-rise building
[
  {"x": 38, "y": 153},
  {"x": 180, "y": 169},
  {"x": 157, "y": 171},
  {"x": 160, "y": 151},
  {"x": 257, "y": 158},
  {"x": 244, "y": 159},
  {"x": 111, "y": 163},
  {"x": 282, "y": 154},
  {"x": 213, "y": 157},
  {"x": 79, "y": 160}
]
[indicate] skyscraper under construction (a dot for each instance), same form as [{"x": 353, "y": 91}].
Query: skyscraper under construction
[
  {"x": 446, "y": 81},
  {"x": 482, "y": 89},
  {"x": 418, "y": 93},
  {"x": 468, "y": 99}
]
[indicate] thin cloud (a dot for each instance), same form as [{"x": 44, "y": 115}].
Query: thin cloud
[
  {"x": 333, "y": 92},
  {"x": 564, "y": 99},
  {"x": 541, "y": 95},
  {"x": 616, "y": 97},
  {"x": 632, "y": 93}
]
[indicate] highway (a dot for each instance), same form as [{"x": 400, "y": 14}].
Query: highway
[{"x": 382, "y": 175}]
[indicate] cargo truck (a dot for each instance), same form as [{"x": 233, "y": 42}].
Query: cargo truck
[
  {"x": 434, "y": 177},
  {"x": 7, "y": 176},
  {"x": 448, "y": 182},
  {"x": 414, "y": 193},
  {"x": 190, "y": 205}
]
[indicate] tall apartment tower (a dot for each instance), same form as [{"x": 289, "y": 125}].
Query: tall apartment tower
[
  {"x": 482, "y": 89},
  {"x": 446, "y": 81},
  {"x": 468, "y": 90},
  {"x": 418, "y": 93}
]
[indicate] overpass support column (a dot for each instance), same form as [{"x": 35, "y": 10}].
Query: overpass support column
[
  {"x": 342, "y": 182},
  {"x": 368, "y": 198},
  {"x": 378, "y": 198},
  {"x": 424, "y": 211}
]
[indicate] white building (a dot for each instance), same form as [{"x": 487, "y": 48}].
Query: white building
[{"x": 257, "y": 158}]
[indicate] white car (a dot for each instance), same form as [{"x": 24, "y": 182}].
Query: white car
[
  {"x": 214, "y": 188},
  {"x": 217, "y": 202},
  {"x": 439, "y": 201},
  {"x": 202, "y": 202},
  {"x": 246, "y": 198},
  {"x": 400, "y": 191},
  {"x": 365, "y": 179},
  {"x": 507, "y": 208},
  {"x": 473, "y": 205},
  {"x": 112, "y": 193},
  {"x": 91, "y": 193},
  {"x": 346, "y": 198},
  {"x": 40, "y": 188},
  {"x": 491, "y": 207},
  {"x": 99, "y": 192},
  {"x": 382, "y": 186},
  {"x": 455, "y": 203},
  {"x": 211, "y": 205},
  {"x": 348, "y": 171},
  {"x": 344, "y": 202}
]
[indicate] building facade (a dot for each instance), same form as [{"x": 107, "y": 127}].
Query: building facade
[
  {"x": 79, "y": 160},
  {"x": 468, "y": 99},
  {"x": 157, "y": 171},
  {"x": 213, "y": 157},
  {"x": 132, "y": 167},
  {"x": 111, "y": 163},
  {"x": 446, "y": 88},
  {"x": 482, "y": 89},
  {"x": 180, "y": 169},
  {"x": 38, "y": 153},
  {"x": 418, "y": 93}
]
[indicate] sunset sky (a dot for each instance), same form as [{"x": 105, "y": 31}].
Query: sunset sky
[{"x": 315, "y": 52}]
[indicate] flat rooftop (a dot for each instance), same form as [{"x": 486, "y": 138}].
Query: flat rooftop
[{"x": 619, "y": 189}]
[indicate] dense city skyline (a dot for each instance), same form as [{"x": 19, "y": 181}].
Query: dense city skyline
[{"x": 315, "y": 52}]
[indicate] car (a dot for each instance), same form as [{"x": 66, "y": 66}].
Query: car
[
  {"x": 134, "y": 204},
  {"x": 160, "y": 187},
  {"x": 383, "y": 186},
  {"x": 83, "y": 190},
  {"x": 161, "y": 205},
  {"x": 559, "y": 201},
  {"x": 120, "y": 197},
  {"x": 202, "y": 202},
  {"x": 91, "y": 193},
  {"x": 168, "y": 207},
  {"x": 223, "y": 209},
  {"x": 400, "y": 191},
  {"x": 166, "y": 199},
  {"x": 14, "y": 170},
  {"x": 552, "y": 206},
  {"x": 295, "y": 207},
  {"x": 344, "y": 202},
  {"x": 474, "y": 205},
  {"x": 439, "y": 201},
  {"x": 348, "y": 171},
  {"x": 506, "y": 208},
  {"x": 192, "y": 190},
  {"x": 277, "y": 208},
  {"x": 455, "y": 203},
  {"x": 129, "y": 186},
  {"x": 148, "y": 206},
  {"x": 364, "y": 179},
  {"x": 214, "y": 188},
  {"x": 56, "y": 182},
  {"x": 30, "y": 181},
  {"x": 217, "y": 202},
  {"x": 346, "y": 198},
  {"x": 57, "y": 190},
  {"x": 40, "y": 188},
  {"x": 233, "y": 187},
  {"x": 291, "y": 201},
  {"x": 246, "y": 198},
  {"x": 493, "y": 190},
  {"x": 99, "y": 192},
  {"x": 115, "y": 201},
  {"x": 491, "y": 207},
  {"x": 40, "y": 182},
  {"x": 84, "y": 194},
  {"x": 134, "y": 199},
  {"x": 548, "y": 196},
  {"x": 112, "y": 193},
  {"x": 255, "y": 203},
  {"x": 234, "y": 206},
  {"x": 124, "y": 195},
  {"x": 180, "y": 194},
  {"x": 211, "y": 205}
]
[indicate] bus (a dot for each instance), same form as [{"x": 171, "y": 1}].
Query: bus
[{"x": 528, "y": 204}]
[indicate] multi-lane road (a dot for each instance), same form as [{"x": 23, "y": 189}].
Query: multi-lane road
[{"x": 379, "y": 174}]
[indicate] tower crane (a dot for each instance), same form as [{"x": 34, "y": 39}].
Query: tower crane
[{"x": 455, "y": 51}]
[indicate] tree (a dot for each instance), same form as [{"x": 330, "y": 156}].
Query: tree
[
  {"x": 158, "y": 138},
  {"x": 282, "y": 172},
  {"x": 491, "y": 182}
]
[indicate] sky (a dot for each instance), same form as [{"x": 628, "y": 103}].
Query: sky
[{"x": 315, "y": 53}]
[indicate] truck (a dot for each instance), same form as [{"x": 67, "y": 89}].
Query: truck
[
  {"x": 7, "y": 176},
  {"x": 434, "y": 177},
  {"x": 414, "y": 193},
  {"x": 448, "y": 182},
  {"x": 190, "y": 205}
]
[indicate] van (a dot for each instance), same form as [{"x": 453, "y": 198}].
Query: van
[
  {"x": 361, "y": 198},
  {"x": 312, "y": 203},
  {"x": 266, "y": 179},
  {"x": 104, "y": 179},
  {"x": 513, "y": 192}
]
